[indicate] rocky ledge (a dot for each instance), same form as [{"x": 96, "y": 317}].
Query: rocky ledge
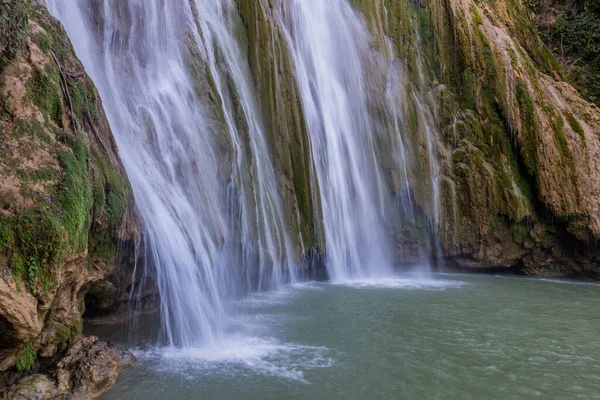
[
  {"x": 89, "y": 369},
  {"x": 68, "y": 223}
]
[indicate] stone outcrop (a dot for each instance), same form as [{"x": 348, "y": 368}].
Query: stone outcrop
[
  {"x": 517, "y": 146},
  {"x": 89, "y": 368},
  {"x": 67, "y": 218},
  {"x": 526, "y": 164}
]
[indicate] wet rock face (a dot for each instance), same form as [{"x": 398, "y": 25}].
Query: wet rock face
[
  {"x": 34, "y": 387},
  {"x": 89, "y": 369},
  {"x": 67, "y": 217},
  {"x": 518, "y": 146},
  {"x": 8, "y": 340}
]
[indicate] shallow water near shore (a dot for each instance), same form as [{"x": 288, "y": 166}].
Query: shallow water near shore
[{"x": 451, "y": 337}]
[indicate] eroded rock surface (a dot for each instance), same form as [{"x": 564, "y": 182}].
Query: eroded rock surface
[
  {"x": 89, "y": 368},
  {"x": 67, "y": 216}
]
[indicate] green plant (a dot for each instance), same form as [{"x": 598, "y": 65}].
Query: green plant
[
  {"x": 13, "y": 29},
  {"x": 572, "y": 31},
  {"x": 66, "y": 334},
  {"x": 44, "y": 90},
  {"x": 5, "y": 233},
  {"x": 575, "y": 125},
  {"x": 529, "y": 130},
  {"x": 27, "y": 359},
  {"x": 74, "y": 193},
  {"x": 40, "y": 240}
]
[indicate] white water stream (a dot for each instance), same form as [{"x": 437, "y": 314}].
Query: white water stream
[{"x": 328, "y": 42}]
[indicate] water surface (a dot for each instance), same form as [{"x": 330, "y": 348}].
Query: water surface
[{"x": 456, "y": 337}]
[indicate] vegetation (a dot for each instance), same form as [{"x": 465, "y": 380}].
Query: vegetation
[
  {"x": 530, "y": 138},
  {"x": 74, "y": 193},
  {"x": 41, "y": 246},
  {"x": 66, "y": 334},
  {"x": 44, "y": 90},
  {"x": 72, "y": 201},
  {"x": 27, "y": 359},
  {"x": 13, "y": 33},
  {"x": 572, "y": 31}
]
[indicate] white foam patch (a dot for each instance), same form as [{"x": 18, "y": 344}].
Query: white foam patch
[
  {"x": 410, "y": 283},
  {"x": 567, "y": 282},
  {"x": 240, "y": 356},
  {"x": 268, "y": 299},
  {"x": 524, "y": 278},
  {"x": 281, "y": 296},
  {"x": 308, "y": 285}
]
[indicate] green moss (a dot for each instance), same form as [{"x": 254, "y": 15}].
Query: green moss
[
  {"x": 83, "y": 98},
  {"x": 44, "y": 175},
  {"x": 41, "y": 244},
  {"x": 6, "y": 234},
  {"x": 514, "y": 62},
  {"x": 66, "y": 334},
  {"x": 27, "y": 128},
  {"x": 44, "y": 90},
  {"x": 469, "y": 89},
  {"x": 109, "y": 191},
  {"x": 23, "y": 175},
  {"x": 575, "y": 125},
  {"x": 561, "y": 139},
  {"x": 529, "y": 131},
  {"x": 27, "y": 359},
  {"x": 109, "y": 207},
  {"x": 45, "y": 43},
  {"x": 18, "y": 266},
  {"x": 115, "y": 207},
  {"x": 20, "y": 129},
  {"x": 99, "y": 198},
  {"x": 519, "y": 232},
  {"x": 102, "y": 246},
  {"x": 477, "y": 20},
  {"x": 74, "y": 193},
  {"x": 14, "y": 17},
  {"x": 577, "y": 225}
]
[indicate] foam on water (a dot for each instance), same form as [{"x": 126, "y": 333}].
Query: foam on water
[
  {"x": 411, "y": 283},
  {"x": 566, "y": 282},
  {"x": 251, "y": 350},
  {"x": 239, "y": 355},
  {"x": 280, "y": 296}
]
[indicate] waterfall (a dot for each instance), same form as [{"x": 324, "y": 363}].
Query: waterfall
[
  {"x": 178, "y": 97},
  {"x": 329, "y": 42}
]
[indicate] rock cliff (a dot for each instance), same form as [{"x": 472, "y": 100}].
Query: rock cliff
[
  {"x": 67, "y": 216},
  {"x": 510, "y": 178}
]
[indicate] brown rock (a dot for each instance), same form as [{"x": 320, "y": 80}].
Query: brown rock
[
  {"x": 89, "y": 369},
  {"x": 34, "y": 387}
]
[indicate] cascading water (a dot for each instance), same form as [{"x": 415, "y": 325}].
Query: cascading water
[
  {"x": 328, "y": 41},
  {"x": 207, "y": 192},
  {"x": 180, "y": 100}
]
